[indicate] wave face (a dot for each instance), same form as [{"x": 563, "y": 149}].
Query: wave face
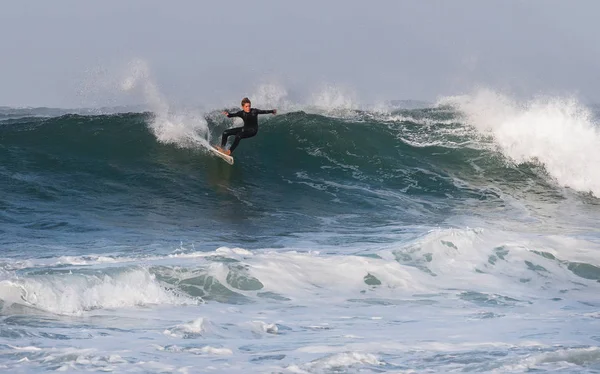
[
  {"x": 456, "y": 237},
  {"x": 410, "y": 167}
]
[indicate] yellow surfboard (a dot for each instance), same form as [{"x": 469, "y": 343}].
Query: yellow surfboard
[{"x": 228, "y": 159}]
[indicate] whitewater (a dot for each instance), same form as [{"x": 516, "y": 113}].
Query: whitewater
[{"x": 455, "y": 236}]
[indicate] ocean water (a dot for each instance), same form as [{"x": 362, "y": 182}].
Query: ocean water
[{"x": 461, "y": 236}]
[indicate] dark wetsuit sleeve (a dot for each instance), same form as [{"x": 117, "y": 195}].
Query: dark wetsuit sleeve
[
  {"x": 236, "y": 114},
  {"x": 260, "y": 111}
]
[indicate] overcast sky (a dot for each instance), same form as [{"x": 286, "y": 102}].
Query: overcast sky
[{"x": 69, "y": 53}]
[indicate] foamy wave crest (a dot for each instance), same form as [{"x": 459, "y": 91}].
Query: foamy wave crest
[
  {"x": 558, "y": 133},
  {"x": 182, "y": 129},
  {"x": 334, "y": 99},
  {"x": 271, "y": 96},
  {"x": 205, "y": 350},
  {"x": 76, "y": 293},
  {"x": 261, "y": 327},
  {"x": 500, "y": 268},
  {"x": 191, "y": 329},
  {"x": 339, "y": 361},
  {"x": 569, "y": 360},
  {"x": 339, "y": 276}
]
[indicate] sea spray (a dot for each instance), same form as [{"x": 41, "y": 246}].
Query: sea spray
[
  {"x": 558, "y": 133},
  {"x": 329, "y": 99},
  {"x": 271, "y": 96},
  {"x": 334, "y": 100},
  {"x": 183, "y": 129}
]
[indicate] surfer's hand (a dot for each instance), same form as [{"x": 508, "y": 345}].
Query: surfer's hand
[
  {"x": 226, "y": 113},
  {"x": 274, "y": 111}
]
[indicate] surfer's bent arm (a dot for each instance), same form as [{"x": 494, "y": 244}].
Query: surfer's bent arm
[{"x": 260, "y": 111}]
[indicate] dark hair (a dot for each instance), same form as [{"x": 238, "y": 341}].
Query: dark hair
[{"x": 246, "y": 101}]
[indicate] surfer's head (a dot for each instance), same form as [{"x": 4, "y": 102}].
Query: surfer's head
[{"x": 246, "y": 104}]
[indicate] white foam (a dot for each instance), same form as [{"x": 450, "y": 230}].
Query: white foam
[
  {"x": 338, "y": 361},
  {"x": 263, "y": 327},
  {"x": 557, "y": 132},
  {"x": 577, "y": 356},
  {"x": 76, "y": 293},
  {"x": 25, "y": 349},
  {"x": 212, "y": 351},
  {"x": 79, "y": 260},
  {"x": 388, "y": 346},
  {"x": 459, "y": 259},
  {"x": 196, "y": 327},
  {"x": 490, "y": 267},
  {"x": 205, "y": 350},
  {"x": 7, "y": 269},
  {"x": 323, "y": 318},
  {"x": 233, "y": 251},
  {"x": 572, "y": 359},
  {"x": 307, "y": 275}
]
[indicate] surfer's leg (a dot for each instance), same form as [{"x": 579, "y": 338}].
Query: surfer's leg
[
  {"x": 229, "y": 132},
  {"x": 235, "y": 143},
  {"x": 247, "y": 133}
]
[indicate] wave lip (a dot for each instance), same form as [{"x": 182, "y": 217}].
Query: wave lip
[{"x": 558, "y": 133}]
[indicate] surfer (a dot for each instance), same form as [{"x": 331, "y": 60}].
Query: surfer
[{"x": 250, "y": 128}]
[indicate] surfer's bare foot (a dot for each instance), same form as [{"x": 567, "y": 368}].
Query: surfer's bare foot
[{"x": 224, "y": 151}]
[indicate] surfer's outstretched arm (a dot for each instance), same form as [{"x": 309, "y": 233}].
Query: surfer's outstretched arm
[
  {"x": 230, "y": 115},
  {"x": 260, "y": 111}
]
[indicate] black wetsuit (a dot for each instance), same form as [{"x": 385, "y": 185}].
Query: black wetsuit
[{"x": 249, "y": 129}]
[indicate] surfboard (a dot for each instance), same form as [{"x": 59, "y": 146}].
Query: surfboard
[{"x": 228, "y": 159}]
